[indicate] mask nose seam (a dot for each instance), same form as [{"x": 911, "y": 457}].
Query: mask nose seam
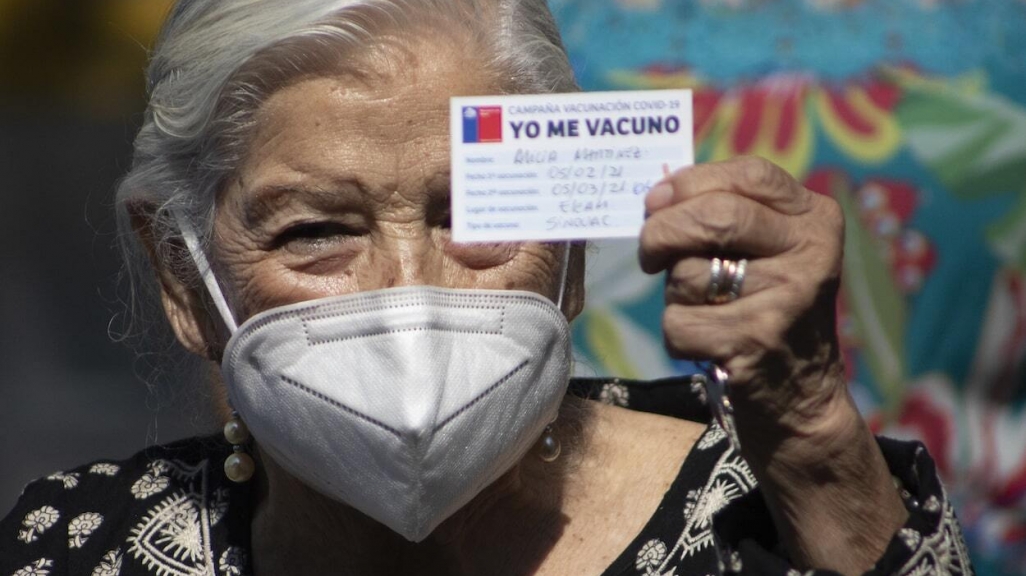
[
  {"x": 342, "y": 407},
  {"x": 481, "y": 396}
]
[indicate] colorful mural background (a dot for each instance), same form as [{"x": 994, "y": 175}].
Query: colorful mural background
[{"x": 912, "y": 114}]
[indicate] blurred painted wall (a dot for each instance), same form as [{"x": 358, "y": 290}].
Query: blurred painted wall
[
  {"x": 912, "y": 115},
  {"x": 71, "y": 96}
]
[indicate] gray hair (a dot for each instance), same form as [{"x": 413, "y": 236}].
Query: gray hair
[{"x": 217, "y": 61}]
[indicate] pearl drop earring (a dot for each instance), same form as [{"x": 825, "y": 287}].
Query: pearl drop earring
[
  {"x": 549, "y": 446},
  {"x": 239, "y": 466}
]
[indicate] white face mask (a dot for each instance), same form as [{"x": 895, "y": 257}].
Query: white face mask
[{"x": 403, "y": 403}]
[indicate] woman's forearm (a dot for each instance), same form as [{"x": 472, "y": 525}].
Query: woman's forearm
[{"x": 829, "y": 490}]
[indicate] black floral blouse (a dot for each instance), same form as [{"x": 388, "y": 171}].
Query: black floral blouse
[{"x": 169, "y": 511}]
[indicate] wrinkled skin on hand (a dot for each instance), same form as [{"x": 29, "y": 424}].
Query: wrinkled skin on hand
[
  {"x": 821, "y": 472},
  {"x": 778, "y": 339}
]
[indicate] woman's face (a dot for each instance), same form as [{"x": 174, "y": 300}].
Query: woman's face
[{"x": 345, "y": 188}]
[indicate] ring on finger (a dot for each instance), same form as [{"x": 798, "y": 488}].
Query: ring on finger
[
  {"x": 725, "y": 280},
  {"x": 715, "y": 280},
  {"x": 737, "y": 280}
]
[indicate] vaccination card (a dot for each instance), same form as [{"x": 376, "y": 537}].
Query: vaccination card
[{"x": 563, "y": 166}]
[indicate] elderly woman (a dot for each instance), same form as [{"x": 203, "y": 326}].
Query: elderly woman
[{"x": 408, "y": 395}]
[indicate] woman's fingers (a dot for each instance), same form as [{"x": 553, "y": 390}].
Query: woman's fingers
[
  {"x": 792, "y": 240},
  {"x": 717, "y": 223},
  {"x": 753, "y": 178},
  {"x": 688, "y": 281},
  {"x": 718, "y": 333}
]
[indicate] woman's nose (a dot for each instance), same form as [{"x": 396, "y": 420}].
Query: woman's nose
[{"x": 409, "y": 261}]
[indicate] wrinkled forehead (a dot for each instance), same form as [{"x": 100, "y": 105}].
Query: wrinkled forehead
[
  {"x": 380, "y": 131},
  {"x": 382, "y": 107},
  {"x": 390, "y": 68},
  {"x": 376, "y": 66}
]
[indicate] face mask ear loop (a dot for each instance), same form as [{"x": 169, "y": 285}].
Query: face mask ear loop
[
  {"x": 562, "y": 275},
  {"x": 200, "y": 259}
]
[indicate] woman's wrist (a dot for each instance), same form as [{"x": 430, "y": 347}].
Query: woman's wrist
[
  {"x": 826, "y": 484},
  {"x": 799, "y": 425}
]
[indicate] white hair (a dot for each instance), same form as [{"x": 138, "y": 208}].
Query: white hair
[{"x": 217, "y": 61}]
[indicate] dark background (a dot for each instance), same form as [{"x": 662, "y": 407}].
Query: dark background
[{"x": 71, "y": 99}]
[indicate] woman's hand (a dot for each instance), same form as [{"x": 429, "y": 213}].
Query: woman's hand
[
  {"x": 823, "y": 476},
  {"x": 778, "y": 339}
]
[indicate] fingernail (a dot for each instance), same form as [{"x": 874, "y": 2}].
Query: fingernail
[{"x": 658, "y": 197}]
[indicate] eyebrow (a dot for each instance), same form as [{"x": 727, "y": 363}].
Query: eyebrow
[
  {"x": 267, "y": 200},
  {"x": 439, "y": 183}
]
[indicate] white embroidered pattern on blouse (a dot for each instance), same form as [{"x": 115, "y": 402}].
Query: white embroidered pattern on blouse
[
  {"x": 730, "y": 479},
  {"x": 40, "y": 567},
  {"x": 69, "y": 480},
  {"x": 233, "y": 561},
  {"x": 942, "y": 552},
  {"x": 149, "y": 485},
  {"x": 36, "y": 522},
  {"x": 82, "y": 527},
  {"x": 104, "y": 469},
  {"x": 712, "y": 437},
  {"x": 219, "y": 505},
  {"x": 614, "y": 394},
  {"x": 110, "y": 564},
  {"x": 651, "y": 555},
  {"x": 173, "y": 538},
  {"x": 702, "y": 505}
]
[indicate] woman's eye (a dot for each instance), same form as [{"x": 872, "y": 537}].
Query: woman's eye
[
  {"x": 440, "y": 215},
  {"x": 313, "y": 233},
  {"x": 445, "y": 220}
]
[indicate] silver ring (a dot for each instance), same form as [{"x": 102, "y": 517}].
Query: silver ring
[
  {"x": 725, "y": 279},
  {"x": 737, "y": 280},
  {"x": 715, "y": 280}
]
